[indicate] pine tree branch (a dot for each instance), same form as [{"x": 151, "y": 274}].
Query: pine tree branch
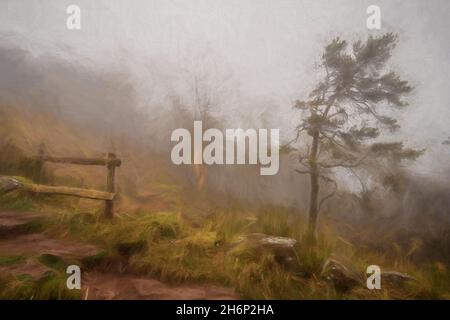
[
  {"x": 302, "y": 171},
  {"x": 331, "y": 194},
  {"x": 343, "y": 164}
]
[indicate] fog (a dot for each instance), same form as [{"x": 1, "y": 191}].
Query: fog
[
  {"x": 138, "y": 70},
  {"x": 252, "y": 58}
]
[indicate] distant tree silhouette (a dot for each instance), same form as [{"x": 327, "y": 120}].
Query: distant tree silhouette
[{"x": 447, "y": 142}]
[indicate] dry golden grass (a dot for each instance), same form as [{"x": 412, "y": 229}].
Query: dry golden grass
[{"x": 188, "y": 236}]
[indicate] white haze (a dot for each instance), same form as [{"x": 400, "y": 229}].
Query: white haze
[{"x": 262, "y": 54}]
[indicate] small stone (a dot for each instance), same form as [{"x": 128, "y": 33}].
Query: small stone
[
  {"x": 8, "y": 184},
  {"x": 396, "y": 278},
  {"x": 341, "y": 277}
]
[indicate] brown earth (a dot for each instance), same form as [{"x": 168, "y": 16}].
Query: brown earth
[
  {"x": 96, "y": 285},
  {"x": 108, "y": 286}
]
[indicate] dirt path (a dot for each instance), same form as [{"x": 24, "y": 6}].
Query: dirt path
[
  {"x": 16, "y": 241},
  {"x": 106, "y": 286},
  {"x": 38, "y": 243}
]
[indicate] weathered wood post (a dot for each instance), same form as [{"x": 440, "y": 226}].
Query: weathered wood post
[
  {"x": 39, "y": 166},
  {"x": 111, "y": 167}
]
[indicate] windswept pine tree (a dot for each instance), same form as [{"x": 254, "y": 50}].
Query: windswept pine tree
[{"x": 347, "y": 111}]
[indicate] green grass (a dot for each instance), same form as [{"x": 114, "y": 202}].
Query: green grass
[
  {"x": 52, "y": 261},
  {"x": 178, "y": 252},
  {"x": 149, "y": 227},
  {"x": 173, "y": 251},
  {"x": 17, "y": 200},
  {"x": 50, "y": 287},
  {"x": 8, "y": 260},
  {"x": 279, "y": 221},
  {"x": 187, "y": 246}
]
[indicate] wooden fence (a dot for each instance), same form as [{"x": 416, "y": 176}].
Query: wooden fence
[{"x": 110, "y": 162}]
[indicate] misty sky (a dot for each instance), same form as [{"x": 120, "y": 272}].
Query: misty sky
[{"x": 267, "y": 48}]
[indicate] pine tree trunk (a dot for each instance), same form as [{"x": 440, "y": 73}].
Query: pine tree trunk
[{"x": 314, "y": 181}]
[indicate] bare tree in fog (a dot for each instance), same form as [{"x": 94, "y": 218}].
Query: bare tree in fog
[
  {"x": 209, "y": 87},
  {"x": 346, "y": 110}
]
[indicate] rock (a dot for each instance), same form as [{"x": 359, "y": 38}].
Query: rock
[
  {"x": 342, "y": 278},
  {"x": 267, "y": 241},
  {"x": 395, "y": 278},
  {"x": 281, "y": 247},
  {"x": 8, "y": 184}
]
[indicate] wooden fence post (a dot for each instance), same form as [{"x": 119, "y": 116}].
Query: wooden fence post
[
  {"x": 40, "y": 163},
  {"x": 111, "y": 167}
]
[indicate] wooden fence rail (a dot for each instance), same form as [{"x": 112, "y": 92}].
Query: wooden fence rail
[
  {"x": 8, "y": 183},
  {"x": 82, "y": 161},
  {"x": 110, "y": 162}
]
